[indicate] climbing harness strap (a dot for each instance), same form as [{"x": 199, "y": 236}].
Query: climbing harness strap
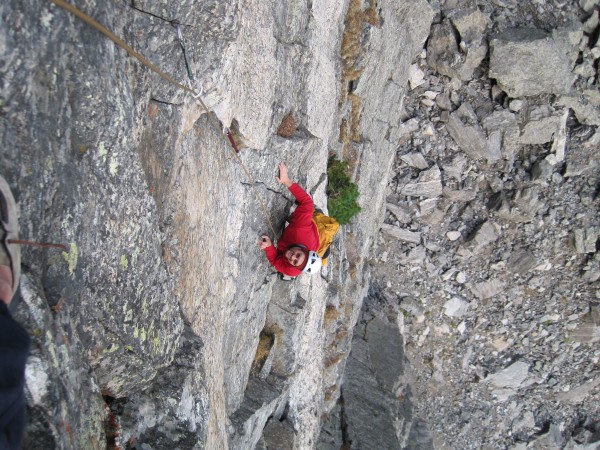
[{"x": 90, "y": 21}]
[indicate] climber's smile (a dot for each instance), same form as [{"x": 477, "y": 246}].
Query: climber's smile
[{"x": 295, "y": 256}]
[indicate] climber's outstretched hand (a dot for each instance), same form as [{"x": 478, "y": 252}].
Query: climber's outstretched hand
[
  {"x": 264, "y": 242},
  {"x": 283, "y": 175}
]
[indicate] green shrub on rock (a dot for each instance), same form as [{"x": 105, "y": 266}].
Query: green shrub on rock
[{"x": 342, "y": 193}]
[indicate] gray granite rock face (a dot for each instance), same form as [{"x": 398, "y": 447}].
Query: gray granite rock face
[
  {"x": 163, "y": 285},
  {"x": 373, "y": 370},
  {"x": 66, "y": 409},
  {"x": 70, "y": 152},
  {"x": 149, "y": 332}
]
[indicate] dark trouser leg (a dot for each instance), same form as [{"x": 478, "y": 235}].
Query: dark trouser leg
[{"x": 14, "y": 350}]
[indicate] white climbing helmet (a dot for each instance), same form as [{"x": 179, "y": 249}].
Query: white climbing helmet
[{"x": 314, "y": 263}]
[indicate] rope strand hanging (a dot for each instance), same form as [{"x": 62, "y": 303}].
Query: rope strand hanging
[{"x": 119, "y": 42}]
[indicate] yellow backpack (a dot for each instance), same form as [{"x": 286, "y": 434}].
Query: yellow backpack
[{"x": 327, "y": 228}]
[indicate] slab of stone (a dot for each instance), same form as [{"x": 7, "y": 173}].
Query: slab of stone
[
  {"x": 453, "y": 235},
  {"x": 485, "y": 234},
  {"x": 416, "y": 256},
  {"x": 456, "y": 307},
  {"x": 411, "y": 306},
  {"x": 559, "y": 145},
  {"x": 456, "y": 167},
  {"x": 487, "y": 289},
  {"x": 579, "y": 393},
  {"x": 552, "y": 440},
  {"x": 443, "y": 102},
  {"x": 464, "y": 128},
  {"x": 408, "y": 127},
  {"x": 458, "y": 58},
  {"x": 590, "y": 25},
  {"x": 521, "y": 262},
  {"x": 401, "y": 214},
  {"x": 586, "y": 333},
  {"x": 542, "y": 128},
  {"x": 526, "y": 421},
  {"x": 515, "y": 105},
  {"x": 278, "y": 434},
  {"x": 401, "y": 233},
  {"x": 470, "y": 23},
  {"x": 512, "y": 376},
  {"x": 588, "y": 5},
  {"x": 429, "y": 184},
  {"x": 426, "y": 207},
  {"x": 500, "y": 344},
  {"x": 415, "y": 76},
  {"x": 503, "y": 132},
  {"x": 584, "y": 106},
  {"x": 415, "y": 160},
  {"x": 520, "y": 59},
  {"x": 517, "y": 206},
  {"x": 442, "y": 49},
  {"x": 464, "y": 195},
  {"x": 585, "y": 240},
  {"x": 542, "y": 171}
]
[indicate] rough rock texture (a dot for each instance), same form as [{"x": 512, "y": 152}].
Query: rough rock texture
[
  {"x": 164, "y": 326},
  {"x": 162, "y": 300},
  {"x": 497, "y": 301},
  {"x": 520, "y": 60}
]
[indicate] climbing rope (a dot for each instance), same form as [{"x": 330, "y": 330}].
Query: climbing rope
[{"x": 119, "y": 42}]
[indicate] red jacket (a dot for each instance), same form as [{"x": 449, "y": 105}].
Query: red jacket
[{"x": 301, "y": 230}]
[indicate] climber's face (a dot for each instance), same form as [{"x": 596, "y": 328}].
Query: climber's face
[{"x": 295, "y": 256}]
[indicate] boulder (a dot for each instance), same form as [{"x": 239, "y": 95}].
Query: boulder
[
  {"x": 487, "y": 289},
  {"x": 415, "y": 160},
  {"x": 401, "y": 233},
  {"x": 520, "y": 59},
  {"x": 456, "y": 307},
  {"x": 464, "y": 128},
  {"x": 428, "y": 185},
  {"x": 542, "y": 126},
  {"x": 456, "y": 46}
]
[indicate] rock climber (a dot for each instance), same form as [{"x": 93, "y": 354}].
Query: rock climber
[
  {"x": 296, "y": 250},
  {"x": 14, "y": 340}
]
